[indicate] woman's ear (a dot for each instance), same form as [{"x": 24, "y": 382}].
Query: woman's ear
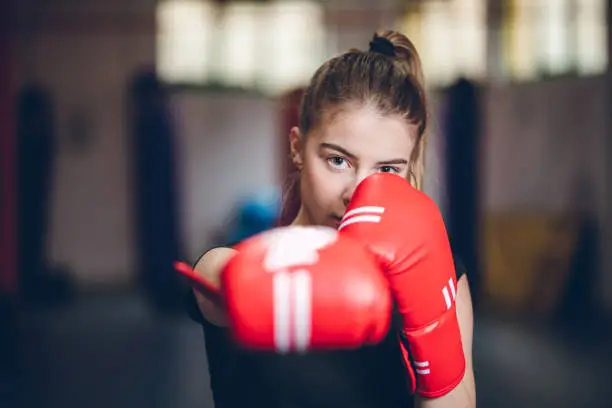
[{"x": 296, "y": 146}]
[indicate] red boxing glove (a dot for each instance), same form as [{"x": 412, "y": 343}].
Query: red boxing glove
[
  {"x": 293, "y": 289},
  {"x": 404, "y": 229}
]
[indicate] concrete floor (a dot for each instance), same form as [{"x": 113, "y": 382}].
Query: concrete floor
[{"x": 112, "y": 352}]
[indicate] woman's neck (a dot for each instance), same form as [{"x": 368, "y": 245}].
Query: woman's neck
[{"x": 301, "y": 219}]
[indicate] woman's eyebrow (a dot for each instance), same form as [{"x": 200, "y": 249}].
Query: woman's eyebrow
[
  {"x": 393, "y": 161},
  {"x": 337, "y": 148},
  {"x": 345, "y": 152}
]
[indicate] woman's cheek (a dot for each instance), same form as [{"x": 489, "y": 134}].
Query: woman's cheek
[{"x": 332, "y": 185}]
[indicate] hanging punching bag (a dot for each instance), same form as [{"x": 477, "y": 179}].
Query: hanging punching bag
[
  {"x": 9, "y": 338},
  {"x": 155, "y": 188},
  {"x": 8, "y": 270},
  {"x": 36, "y": 143},
  {"x": 462, "y": 141}
]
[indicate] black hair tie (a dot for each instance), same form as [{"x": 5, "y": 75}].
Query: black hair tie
[{"x": 383, "y": 46}]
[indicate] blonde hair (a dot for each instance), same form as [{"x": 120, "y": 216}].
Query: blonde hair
[{"x": 388, "y": 76}]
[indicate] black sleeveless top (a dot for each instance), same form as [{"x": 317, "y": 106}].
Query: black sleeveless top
[{"x": 369, "y": 377}]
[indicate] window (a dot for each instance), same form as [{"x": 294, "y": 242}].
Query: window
[
  {"x": 296, "y": 43},
  {"x": 538, "y": 37},
  {"x": 450, "y": 36},
  {"x": 519, "y": 46},
  {"x": 271, "y": 45},
  {"x": 591, "y": 37},
  {"x": 184, "y": 34},
  {"x": 554, "y": 37},
  {"x": 235, "y": 57}
]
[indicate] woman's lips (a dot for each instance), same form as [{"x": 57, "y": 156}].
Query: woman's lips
[{"x": 337, "y": 220}]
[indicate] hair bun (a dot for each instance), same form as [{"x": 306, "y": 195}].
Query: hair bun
[
  {"x": 383, "y": 46},
  {"x": 404, "y": 52}
]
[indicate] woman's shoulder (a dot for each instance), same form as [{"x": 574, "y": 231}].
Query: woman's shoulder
[
  {"x": 200, "y": 306},
  {"x": 214, "y": 255},
  {"x": 211, "y": 262}
]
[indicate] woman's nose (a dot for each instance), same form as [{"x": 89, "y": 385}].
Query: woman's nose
[
  {"x": 346, "y": 200},
  {"x": 348, "y": 193}
]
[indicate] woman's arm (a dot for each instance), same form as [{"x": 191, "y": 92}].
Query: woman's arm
[
  {"x": 464, "y": 395},
  {"x": 209, "y": 266},
  {"x": 227, "y": 367}
]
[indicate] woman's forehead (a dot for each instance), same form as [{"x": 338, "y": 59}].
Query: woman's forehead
[{"x": 365, "y": 133}]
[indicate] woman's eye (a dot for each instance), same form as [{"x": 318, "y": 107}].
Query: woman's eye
[
  {"x": 337, "y": 162},
  {"x": 388, "y": 169}
]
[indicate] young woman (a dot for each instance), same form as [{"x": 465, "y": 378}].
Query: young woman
[{"x": 363, "y": 112}]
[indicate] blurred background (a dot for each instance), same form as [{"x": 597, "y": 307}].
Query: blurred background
[{"x": 137, "y": 132}]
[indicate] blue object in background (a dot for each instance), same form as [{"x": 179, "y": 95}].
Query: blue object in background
[{"x": 254, "y": 214}]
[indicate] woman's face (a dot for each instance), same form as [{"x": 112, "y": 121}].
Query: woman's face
[{"x": 344, "y": 149}]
